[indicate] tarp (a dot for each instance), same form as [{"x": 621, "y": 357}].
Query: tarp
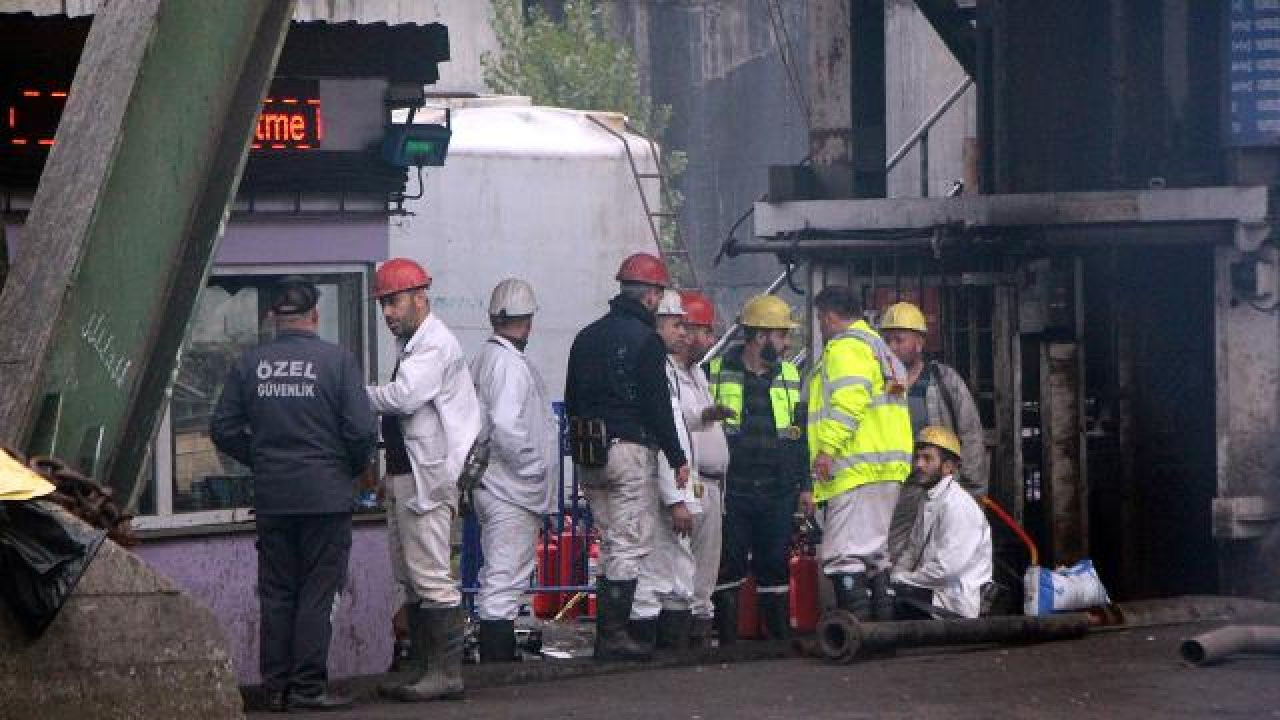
[{"x": 18, "y": 482}]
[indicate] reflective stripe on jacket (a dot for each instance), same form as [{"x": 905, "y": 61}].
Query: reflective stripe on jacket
[
  {"x": 784, "y": 393},
  {"x": 858, "y": 413}
]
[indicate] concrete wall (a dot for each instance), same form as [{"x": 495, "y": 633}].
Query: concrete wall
[
  {"x": 919, "y": 74},
  {"x": 1248, "y": 419},
  {"x": 717, "y": 64},
  {"x": 220, "y": 571}
]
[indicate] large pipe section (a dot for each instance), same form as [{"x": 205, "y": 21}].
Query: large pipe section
[
  {"x": 1213, "y": 646},
  {"x": 842, "y": 639}
]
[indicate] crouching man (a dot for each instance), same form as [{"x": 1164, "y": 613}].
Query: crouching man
[{"x": 948, "y": 556}]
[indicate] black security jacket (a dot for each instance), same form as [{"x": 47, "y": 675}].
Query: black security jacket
[
  {"x": 294, "y": 410},
  {"x": 617, "y": 373}
]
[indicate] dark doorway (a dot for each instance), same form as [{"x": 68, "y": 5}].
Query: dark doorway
[{"x": 1150, "y": 403}]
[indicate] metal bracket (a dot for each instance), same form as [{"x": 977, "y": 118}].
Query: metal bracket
[
  {"x": 1243, "y": 518},
  {"x": 1250, "y": 235}
]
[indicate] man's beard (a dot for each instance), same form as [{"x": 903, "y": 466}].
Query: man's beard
[
  {"x": 926, "y": 479},
  {"x": 769, "y": 354}
]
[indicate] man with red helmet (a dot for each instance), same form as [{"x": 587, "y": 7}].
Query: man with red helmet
[
  {"x": 711, "y": 450},
  {"x": 431, "y": 419},
  {"x": 619, "y": 408}
]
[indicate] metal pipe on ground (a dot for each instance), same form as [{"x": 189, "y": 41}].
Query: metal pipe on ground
[
  {"x": 842, "y": 639},
  {"x": 1215, "y": 645}
]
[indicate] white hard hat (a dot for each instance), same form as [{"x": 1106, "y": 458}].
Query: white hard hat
[
  {"x": 670, "y": 304},
  {"x": 512, "y": 298}
]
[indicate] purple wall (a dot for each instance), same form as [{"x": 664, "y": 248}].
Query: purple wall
[
  {"x": 334, "y": 239},
  {"x": 221, "y": 571}
]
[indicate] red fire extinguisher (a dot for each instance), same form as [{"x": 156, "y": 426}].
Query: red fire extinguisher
[
  {"x": 546, "y": 604},
  {"x": 803, "y": 574},
  {"x": 804, "y": 592},
  {"x": 572, "y": 568}
]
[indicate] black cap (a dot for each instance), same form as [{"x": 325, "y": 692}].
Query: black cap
[{"x": 293, "y": 295}]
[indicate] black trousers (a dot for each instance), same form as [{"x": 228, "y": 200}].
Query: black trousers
[
  {"x": 302, "y": 564},
  {"x": 757, "y": 535}
]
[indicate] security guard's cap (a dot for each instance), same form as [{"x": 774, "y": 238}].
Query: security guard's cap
[{"x": 293, "y": 295}]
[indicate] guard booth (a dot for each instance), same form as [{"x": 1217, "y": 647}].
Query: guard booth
[
  {"x": 316, "y": 199},
  {"x": 1106, "y": 280}
]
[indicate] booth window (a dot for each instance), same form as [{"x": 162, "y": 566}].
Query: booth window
[{"x": 230, "y": 317}]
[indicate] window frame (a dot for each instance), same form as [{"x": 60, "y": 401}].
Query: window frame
[{"x": 167, "y": 522}]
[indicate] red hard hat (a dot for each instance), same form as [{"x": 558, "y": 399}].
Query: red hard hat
[
  {"x": 644, "y": 268},
  {"x": 698, "y": 308},
  {"x": 399, "y": 274}
]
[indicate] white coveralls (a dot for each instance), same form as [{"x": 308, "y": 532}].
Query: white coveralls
[
  {"x": 518, "y": 488},
  {"x": 712, "y": 452},
  {"x": 949, "y": 551},
  {"x": 440, "y": 417},
  {"x": 667, "y": 573}
]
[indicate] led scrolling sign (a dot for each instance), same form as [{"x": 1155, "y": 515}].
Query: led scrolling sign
[{"x": 290, "y": 119}]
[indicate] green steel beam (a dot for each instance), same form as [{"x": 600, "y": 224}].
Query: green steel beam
[{"x": 125, "y": 221}]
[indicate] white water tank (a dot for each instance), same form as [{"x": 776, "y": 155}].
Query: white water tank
[{"x": 539, "y": 193}]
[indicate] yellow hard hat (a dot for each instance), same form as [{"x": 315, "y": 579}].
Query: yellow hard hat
[
  {"x": 941, "y": 437},
  {"x": 769, "y": 312},
  {"x": 903, "y": 316}
]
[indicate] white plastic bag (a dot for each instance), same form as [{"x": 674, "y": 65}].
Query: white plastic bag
[{"x": 1048, "y": 591}]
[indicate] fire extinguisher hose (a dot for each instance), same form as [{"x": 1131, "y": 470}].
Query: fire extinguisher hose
[{"x": 1017, "y": 529}]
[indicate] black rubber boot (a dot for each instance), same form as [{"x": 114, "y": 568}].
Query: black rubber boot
[
  {"x": 498, "y": 641},
  {"x": 644, "y": 631},
  {"x": 700, "y": 633},
  {"x": 853, "y": 594},
  {"x": 882, "y": 598},
  {"x": 673, "y": 630},
  {"x": 410, "y": 657},
  {"x": 613, "y": 610},
  {"x": 440, "y": 634},
  {"x": 726, "y": 620},
  {"x": 278, "y": 701},
  {"x": 775, "y": 610},
  {"x": 404, "y": 657}
]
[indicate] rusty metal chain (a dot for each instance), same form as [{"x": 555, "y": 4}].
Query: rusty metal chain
[{"x": 81, "y": 496}]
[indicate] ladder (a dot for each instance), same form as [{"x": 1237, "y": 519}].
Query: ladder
[{"x": 664, "y": 225}]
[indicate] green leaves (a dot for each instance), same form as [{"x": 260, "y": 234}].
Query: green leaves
[{"x": 575, "y": 64}]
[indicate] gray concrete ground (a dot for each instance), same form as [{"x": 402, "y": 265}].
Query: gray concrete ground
[{"x": 1128, "y": 674}]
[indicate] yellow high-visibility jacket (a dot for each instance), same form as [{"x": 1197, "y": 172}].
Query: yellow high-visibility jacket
[{"x": 858, "y": 413}]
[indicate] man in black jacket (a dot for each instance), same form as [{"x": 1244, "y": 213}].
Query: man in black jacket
[
  {"x": 294, "y": 411},
  {"x": 617, "y": 381}
]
